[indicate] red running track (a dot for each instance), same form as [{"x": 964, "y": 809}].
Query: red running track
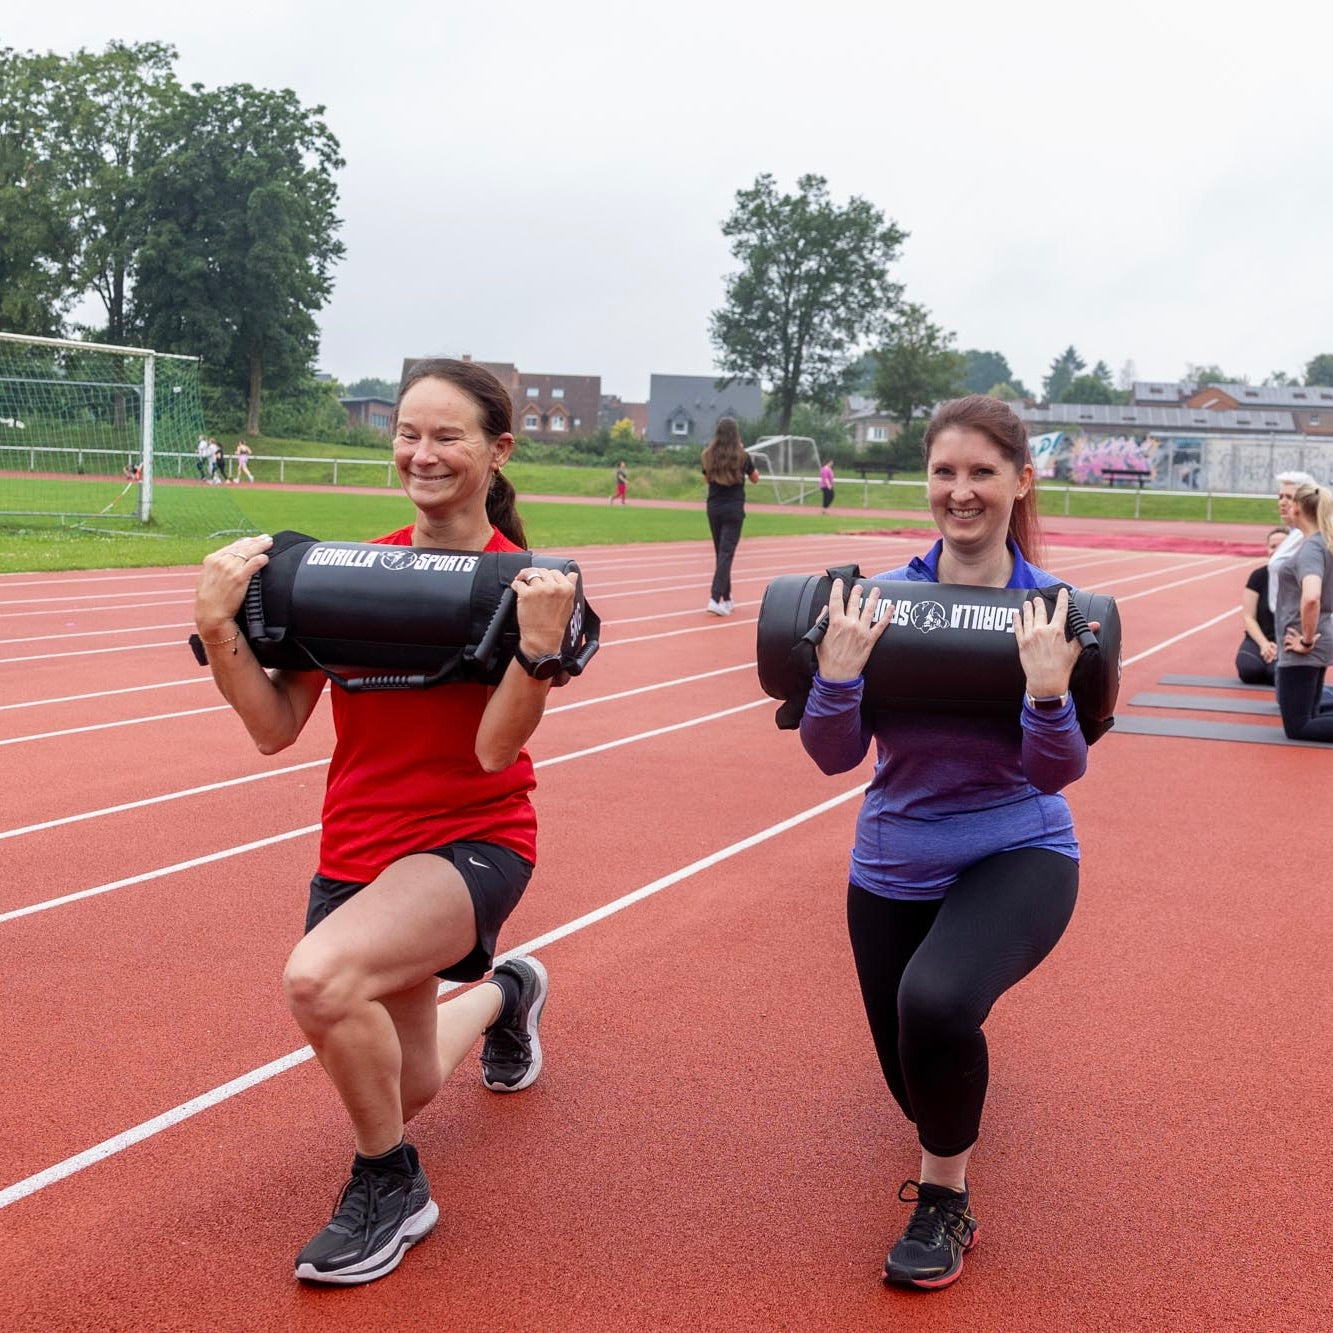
[{"x": 710, "y": 1144}]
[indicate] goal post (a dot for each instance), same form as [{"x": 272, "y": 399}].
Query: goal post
[
  {"x": 790, "y": 464},
  {"x": 96, "y": 436}
]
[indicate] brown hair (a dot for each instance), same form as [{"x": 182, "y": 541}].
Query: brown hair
[
  {"x": 722, "y": 456},
  {"x": 1316, "y": 503},
  {"x": 997, "y": 421},
  {"x": 497, "y": 418}
]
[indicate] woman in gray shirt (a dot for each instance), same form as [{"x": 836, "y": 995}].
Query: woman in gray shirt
[{"x": 1305, "y": 618}]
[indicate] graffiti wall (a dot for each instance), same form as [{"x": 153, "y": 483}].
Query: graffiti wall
[{"x": 1180, "y": 462}]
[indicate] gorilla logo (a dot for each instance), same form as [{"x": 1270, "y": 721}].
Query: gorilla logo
[
  {"x": 927, "y": 616},
  {"x": 398, "y": 559}
]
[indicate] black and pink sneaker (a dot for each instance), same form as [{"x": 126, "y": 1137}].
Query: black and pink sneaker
[{"x": 929, "y": 1254}]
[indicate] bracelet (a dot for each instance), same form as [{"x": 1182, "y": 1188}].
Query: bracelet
[
  {"x": 222, "y": 643},
  {"x": 1306, "y": 643}
]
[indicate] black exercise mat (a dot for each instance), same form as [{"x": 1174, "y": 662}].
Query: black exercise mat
[
  {"x": 1206, "y": 703},
  {"x": 1208, "y": 682},
  {"x": 1191, "y": 729}
]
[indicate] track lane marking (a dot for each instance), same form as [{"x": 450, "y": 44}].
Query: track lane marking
[
  {"x": 99, "y": 1152},
  {"x": 194, "y": 862}
]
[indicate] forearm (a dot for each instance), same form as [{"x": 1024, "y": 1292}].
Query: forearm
[
  {"x": 1054, "y": 750},
  {"x": 1309, "y": 624},
  {"x": 1253, "y": 631},
  {"x": 512, "y": 714},
  {"x": 831, "y": 728},
  {"x": 274, "y": 708}
]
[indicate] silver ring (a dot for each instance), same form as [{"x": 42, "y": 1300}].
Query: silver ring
[
  {"x": 532, "y": 576},
  {"x": 244, "y": 559}
]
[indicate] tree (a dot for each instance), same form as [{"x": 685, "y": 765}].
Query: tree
[
  {"x": 1128, "y": 374},
  {"x": 987, "y": 369},
  {"x": 917, "y": 365},
  {"x": 114, "y": 114},
  {"x": 1087, "y": 389},
  {"x": 370, "y": 387},
  {"x": 37, "y": 239},
  {"x": 814, "y": 284},
  {"x": 240, "y": 237},
  {"x": 1319, "y": 370},
  {"x": 623, "y": 432},
  {"x": 1005, "y": 392},
  {"x": 1211, "y": 375},
  {"x": 1062, "y": 372}
]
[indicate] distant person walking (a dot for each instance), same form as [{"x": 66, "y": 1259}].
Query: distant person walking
[
  {"x": 622, "y": 483},
  {"x": 203, "y": 458},
  {"x": 826, "y": 483},
  {"x": 242, "y": 462},
  {"x": 726, "y": 466},
  {"x": 219, "y": 476}
]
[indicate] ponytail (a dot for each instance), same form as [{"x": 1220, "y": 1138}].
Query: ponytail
[
  {"x": 502, "y": 510},
  {"x": 1316, "y": 504}
]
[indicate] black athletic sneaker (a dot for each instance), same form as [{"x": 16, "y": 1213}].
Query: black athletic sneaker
[
  {"x": 511, "y": 1057},
  {"x": 929, "y": 1254},
  {"x": 379, "y": 1215}
]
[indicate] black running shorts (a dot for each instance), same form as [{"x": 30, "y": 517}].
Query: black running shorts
[{"x": 495, "y": 879}]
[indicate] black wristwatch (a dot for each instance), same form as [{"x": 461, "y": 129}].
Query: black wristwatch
[
  {"x": 1051, "y": 703},
  {"x": 539, "y": 668}
]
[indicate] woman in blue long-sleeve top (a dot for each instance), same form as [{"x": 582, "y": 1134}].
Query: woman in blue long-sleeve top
[{"x": 965, "y": 868}]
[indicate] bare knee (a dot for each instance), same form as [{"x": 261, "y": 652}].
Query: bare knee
[{"x": 318, "y": 992}]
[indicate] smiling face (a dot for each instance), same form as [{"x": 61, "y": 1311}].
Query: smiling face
[
  {"x": 972, "y": 487},
  {"x": 443, "y": 457},
  {"x": 1275, "y": 539}
]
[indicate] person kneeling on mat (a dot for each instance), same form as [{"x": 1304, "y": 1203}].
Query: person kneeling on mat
[
  {"x": 428, "y": 833},
  {"x": 965, "y": 868}
]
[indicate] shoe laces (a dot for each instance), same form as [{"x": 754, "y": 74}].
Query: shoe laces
[
  {"x": 937, "y": 1214},
  {"x": 358, "y": 1207},
  {"x": 507, "y": 1042}
]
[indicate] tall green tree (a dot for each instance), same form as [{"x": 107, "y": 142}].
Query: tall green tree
[
  {"x": 1319, "y": 369},
  {"x": 813, "y": 286},
  {"x": 241, "y": 237},
  {"x": 1087, "y": 389},
  {"x": 986, "y": 370},
  {"x": 917, "y": 364},
  {"x": 38, "y": 242},
  {"x": 115, "y": 112},
  {"x": 1061, "y": 374}
]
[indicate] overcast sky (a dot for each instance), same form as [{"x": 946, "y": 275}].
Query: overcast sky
[{"x": 544, "y": 183}]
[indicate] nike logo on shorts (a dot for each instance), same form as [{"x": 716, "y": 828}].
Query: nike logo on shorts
[{"x": 472, "y": 860}]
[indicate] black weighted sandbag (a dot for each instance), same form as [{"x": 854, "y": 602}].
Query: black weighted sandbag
[
  {"x": 948, "y": 648},
  {"x": 418, "y": 617}
]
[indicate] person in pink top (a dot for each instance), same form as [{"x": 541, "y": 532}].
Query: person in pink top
[{"x": 826, "y": 483}]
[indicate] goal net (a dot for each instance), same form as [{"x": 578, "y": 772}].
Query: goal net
[
  {"x": 790, "y": 465},
  {"x": 104, "y": 438}
]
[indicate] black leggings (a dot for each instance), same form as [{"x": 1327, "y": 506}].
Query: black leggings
[
  {"x": 1250, "y": 664},
  {"x": 1299, "y": 691},
  {"x": 930, "y": 972},
  {"x": 724, "y": 521}
]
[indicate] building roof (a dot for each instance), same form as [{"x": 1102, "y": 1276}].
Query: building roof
[
  {"x": 1133, "y": 416},
  {"x": 1279, "y": 395}
]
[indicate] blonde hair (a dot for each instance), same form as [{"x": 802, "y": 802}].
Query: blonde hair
[{"x": 1316, "y": 503}]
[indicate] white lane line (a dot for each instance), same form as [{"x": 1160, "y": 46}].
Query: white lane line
[
  {"x": 21, "y": 1189},
  {"x": 106, "y": 694},
  {"x": 89, "y": 633},
  {"x": 1149, "y": 592},
  {"x": 317, "y": 763},
  {"x": 159, "y": 800},
  {"x": 164, "y": 871},
  {"x": 1184, "y": 634},
  {"x": 92, "y": 652},
  {"x": 108, "y": 726},
  {"x": 45, "y": 607}
]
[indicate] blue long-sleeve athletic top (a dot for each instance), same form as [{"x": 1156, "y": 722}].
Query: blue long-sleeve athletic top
[{"x": 948, "y": 790}]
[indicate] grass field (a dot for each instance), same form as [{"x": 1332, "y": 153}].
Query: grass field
[{"x": 194, "y": 519}]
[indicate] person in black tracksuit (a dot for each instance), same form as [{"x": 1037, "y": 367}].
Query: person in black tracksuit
[{"x": 727, "y": 467}]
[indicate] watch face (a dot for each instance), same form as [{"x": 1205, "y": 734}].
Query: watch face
[{"x": 540, "y": 668}]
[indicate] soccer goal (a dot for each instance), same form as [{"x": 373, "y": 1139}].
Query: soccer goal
[
  {"x": 790, "y": 464},
  {"x": 103, "y": 438}
]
